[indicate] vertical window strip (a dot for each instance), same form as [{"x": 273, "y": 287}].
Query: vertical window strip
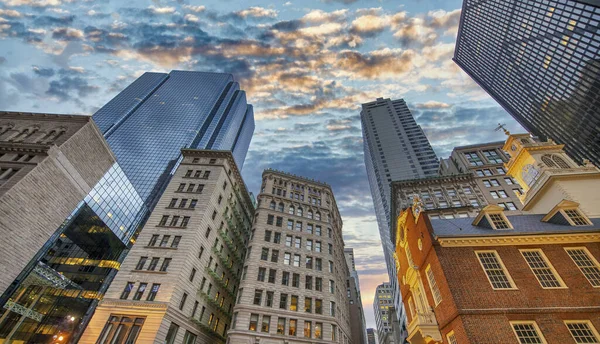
[
  {"x": 494, "y": 269},
  {"x": 528, "y": 332},
  {"x": 542, "y": 269},
  {"x": 583, "y": 332},
  {"x": 586, "y": 263},
  {"x": 435, "y": 290}
]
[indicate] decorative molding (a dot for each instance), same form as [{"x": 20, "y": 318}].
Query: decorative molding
[
  {"x": 134, "y": 304},
  {"x": 515, "y": 240},
  {"x": 19, "y": 309}
]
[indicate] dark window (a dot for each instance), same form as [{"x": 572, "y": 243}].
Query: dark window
[{"x": 127, "y": 290}]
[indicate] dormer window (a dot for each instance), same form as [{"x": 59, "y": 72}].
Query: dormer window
[
  {"x": 567, "y": 213},
  {"x": 492, "y": 217}
]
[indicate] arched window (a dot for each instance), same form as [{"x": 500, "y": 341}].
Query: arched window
[
  {"x": 300, "y": 212},
  {"x": 292, "y": 210},
  {"x": 560, "y": 161},
  {"x": 318, "y": 216},
  {"x": 272, "y": 205},
  {"x": 310, "y": 214},
  {"x": 547, "y": 160},
  {"x": 280, "y": 207}
]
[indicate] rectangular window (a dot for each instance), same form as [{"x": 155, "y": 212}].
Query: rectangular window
[
  {"x": 165, "y": 264},
  {"x": 292, "y": 331},
  {"x": 269, "y": 300},
  {"x": 283, "y": 301},
  {"x": 309, "y": 245},
  {"x": 176, "y": 241},
  {"x": 266, "y": 322},
  {"x": 163, "y": 220},
  {"x": 253, "y": 322},
  {"x": 542, "y": 269},
  {"x": 140, "y": 291},
  {"x": 527, "y": 332},
  {"x": 290, "y": 225},
  {"x": 308, "y": 305},
  {"x": 435, "y": 290},
  {"x": 576, "y": 217},
  {"x": 309, "y": 262},
  {"x": 317, "y": 246},
  {"x": 270, "y": 219},
  {"x": 277, "y": 238},
  {"x": 319, "y": 306},
  {"x": 288, "y": 241},
  {"x": 332, "y": 308},
  {"x": 261, "y": 274},
  {"x": 281, "y": 326},
  {"x": 286, "y": 258},
  {"x": 308, "y": 282},
  {"x": 141, "y": 263},
  {"x": 307, "y": 329},
  {"x": 127, "y": 290},
  {"x": 258, "y": 297},
  {"x": 185, "y": 221},
  {"x": 279, "y": 221},
  {"x": 495, "y": 270},
  {"x": 264, "y": 254},
  {"x": 318, "y": 265},
  {"x": 272, "y": 275},
  {"x": 182, "y": 301},
  {"x": 297, "y": 242},
  {"x": 268, "y": 236},
  {"x": 318, "y": 284},
  {"x": 331, "y": 286},
  {"x": 172, "y": 333},
  {"x": 297, "y": 260},
  {"x": 294, "y": 303},
  {"x": 296, "y": 280},
  {"x": 319, "y": 330},
  {"x": 153, "y": 263},
  {"x": 586, "y": 263},
  {"x": 583, "y": 331},
  {"x": 153, "y": 241},
  {"x": 274, "y": 256},
  {"x": 451, "y": 338}
]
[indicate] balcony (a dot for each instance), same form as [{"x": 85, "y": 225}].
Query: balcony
[{"x": 423, "y": 329}]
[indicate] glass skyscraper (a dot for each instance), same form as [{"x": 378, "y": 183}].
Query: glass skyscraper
[
  {"x": 146, "y": 126},
  {"x": 395, "y": 148},
  {"x": 540, "y": 60}
]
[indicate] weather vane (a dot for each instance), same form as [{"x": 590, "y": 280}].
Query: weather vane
[{"x": 502, "y": 127}]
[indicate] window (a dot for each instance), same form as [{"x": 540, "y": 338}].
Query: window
[
  {"x": 309, "y": 245},
  {"x": 542, "y": 269},
  {"x": 583, "y": 331},
  {"x": 176, "y": 241},
  {"x": 281, "y": 326},
  {"x": 294, "y": 303},
  {"x": 309, "y": 262},
  {"x": 308, "y": 282},
  {"x": 264, "y": 254},
  {"x": 153, "y": 240},
  {"x": 307, "y": 304},
  {"x": 499, "y": 221},
  {"x": 174, "y": 221},
  {"x": 487, "y": 172},
  {"x": 290, "y": 225},
  {"x": 272, "y": 205},
  {"x": 141, "y": 263},
  {"x": 501, "y": 170},
  {"x": 502, "y": 194},
  {"x": 274, "y": 256},
  {"x": 127, "y": 329},
  {"x": 280, "y": 207},
  {"x": 286, "y": 258},
  {"x": 270, "y": 219},
  {"x": 494, "y": 194},
  {"x": 527, "y": 332},
  {"x": 586, "y": 263},
  {"x": 299, "y": 226},
  {"x": 297, "y": 260},
  {"x": 435, "y": 290},
  {"x": 285, "y": 278},
  {"x": 257, "y": 297},
  {"x": 253, "y": 322},
  {"x": 330, "y": 266},
  {"x": 165, "y": 240},
  {"x": 182, "y": 301},
  {"x": 508, "y": 181},
  {"x": 296, "y": 280},
  {"x": 298, "y": 242},
  {"x": 318, "y": 264},
  {"x": 127, "y": 290},
  {"x": 334, "y": 333},
  {"x": 266, "y": 321},
  {"x": 268, "y": 236},
  {"x": 451, "y": 338},
  {"x": 165, "y": 264},
  {"x": 277, "y": 238},
  {"x": 153, "y": 263},
  {"x": 319, "y": 330},
  {"x": 163, "y": 220},
  {"x": 318, "y": 306},
  {"x": 189, "y": 338},
  {"x": 309, "y": 228},
  {"x": 318, "y": 230},
  {"x": 288, "y": 240},
  {"x": 272, "y": 275},
  {"x": 511, "y": 206},
  {"x": 318, "y": 284},
  {"x": 269, "y": 300},
  {"x": 307, "y": 329},
  {"x": 283, "y": 301},
  {"x": 492, "y": 156},
  {"x": 332, "y": 308},
  {"x": 172, "y": 203},
  {"x": 261, "y": 274},
  {"x": 331, "y": 286},
  {"x": 473, "y": 159},
  {"x": 495, "y": 270},
  {"x": 192, "y": 275},
  {"x": 292, "y": 330},
  {"x": 318, "y": 246},
  {"x": 576, "y": 217},
  {"x": 279, "y": 221},
  {"x": 140, "y": 291},
  {"x": 185, "y": 221}
]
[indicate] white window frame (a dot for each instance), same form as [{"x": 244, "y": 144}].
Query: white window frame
[
  {"x": 504, "y": 269},
  {"x": 589, "y": 254},
  {"x": 433, "y": 286},
  {"x": 451, "y": 338},
  {"x": 550, "y": 266},
  {"x": 531, "y": 322},
  {"x": 588, "y": 323}
]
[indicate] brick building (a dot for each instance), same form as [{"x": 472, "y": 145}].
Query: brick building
[
  {"x": 499, "y": 278},
  {"x": 179, "y": 282},
  {"x": 293, "y": 287}
]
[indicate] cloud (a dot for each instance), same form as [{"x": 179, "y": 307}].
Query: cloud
[
  {"x": 161, "y": 10},
  {"x": 63, "y": 88},
  {"x": 257, "y": 12},
  {"x": 2, "y": 60},
  {"x": 378, "y": 64},
  {"x": 369, "y": 24},
  {"x": 196, "y": 9},
  {"x": 347, "y": 2},
  {"x": 432, "y": 104},
  {"x": 67, "y": 34},
  {"x": 10, "y": 13},
  {"x": 44, "y": 72},
  {"x": 319, "y": 16},
  {"x": 33, "y": 3}
]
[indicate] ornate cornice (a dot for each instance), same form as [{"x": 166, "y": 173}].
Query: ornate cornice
[
  {"x": 516, "y": 240},
  {"x": 134, "y": 304}
]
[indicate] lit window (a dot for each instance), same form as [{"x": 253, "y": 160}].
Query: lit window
[
  {"x": 586, "y": 263},
  {"x": 495, "y": 270},
  {"x": 527, "y": 332},
  {"x": 583, "y": 331},
  {"x": 542, "y": 269}
]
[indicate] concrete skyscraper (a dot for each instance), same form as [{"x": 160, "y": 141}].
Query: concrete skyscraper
[
  {"x": 357, "y": 314},
  {"x": 383, "y": 304},
  {"x": 145, "y": 126},
  {"x": 540, "y": 61},
  {"x": 293, "y": 287},
  {"x": 395, "y": 148}
]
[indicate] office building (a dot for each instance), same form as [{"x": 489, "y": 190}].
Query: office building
[
  {"x": 293, "y": 287},
  {"x": 178, "y": 284},
  {"x": 371, "y": 336},
  {"x": 542, "y": 66},
  {"x": 382, "y": 303},
  {"x": 534, "y": 275},
  {"x": 357, "y": 314},
  {"x": 145, "y": 126},
  {"x": 70, "y": 152},
  {"x": 395, "y": 148},
  {"x": 486, "y": 163}
]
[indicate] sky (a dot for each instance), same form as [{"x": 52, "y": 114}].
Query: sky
[{"x": 306, "y": 67}]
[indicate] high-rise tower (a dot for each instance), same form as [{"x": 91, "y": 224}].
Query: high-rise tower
[
  {"x": 395, "y": 148},
  {"x": 540, "y": 61},
  {"x": 146, "y": 127},
  {"x": 293, "y": 286}
]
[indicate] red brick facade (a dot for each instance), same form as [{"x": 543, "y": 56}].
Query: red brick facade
[{"x": 477, "y": 313}]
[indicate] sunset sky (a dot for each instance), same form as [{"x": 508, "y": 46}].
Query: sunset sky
[{"x": 306, "y": 66}]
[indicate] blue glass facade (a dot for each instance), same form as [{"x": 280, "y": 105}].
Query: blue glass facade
[
  {"x": 148, "y": 123},
  {"x": 146, "y": 126}
]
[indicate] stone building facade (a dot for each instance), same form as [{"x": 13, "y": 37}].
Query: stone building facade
[
  {"x": 532, "y": 277},
  {"x": 357, "y": 314},
  {"x": 486, "y": 163},
  {"x": 179, "y": 282},
  {"x": 293, "y": 287},
  {"x": 48, "y": 163},
  {"x": 371, "y": 336},
  {"x": 383, "y": 303}
]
